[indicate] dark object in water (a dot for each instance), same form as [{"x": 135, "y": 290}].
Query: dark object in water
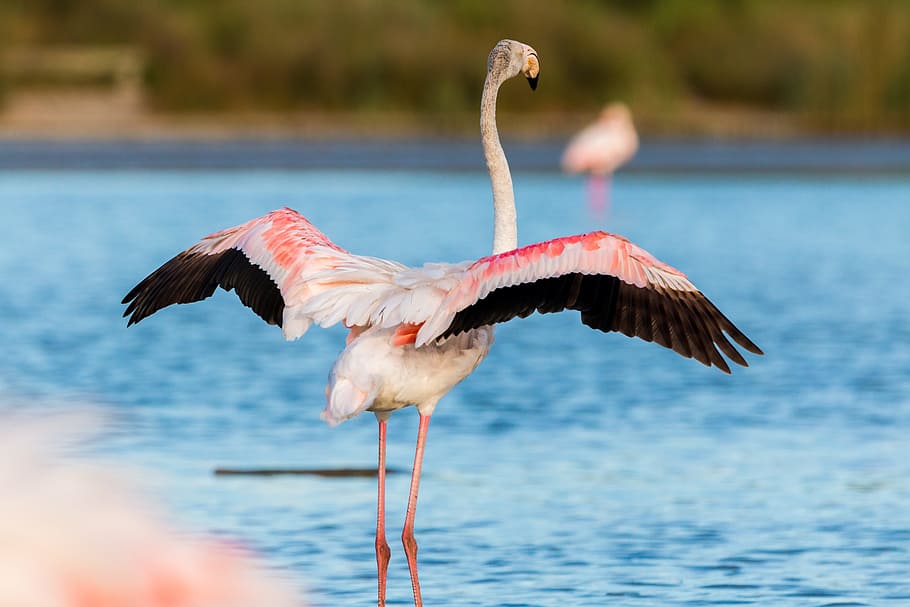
[{"x": 326, "y": 472}]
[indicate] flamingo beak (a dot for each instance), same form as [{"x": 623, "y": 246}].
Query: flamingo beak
[{"x": 532, "y": 70}]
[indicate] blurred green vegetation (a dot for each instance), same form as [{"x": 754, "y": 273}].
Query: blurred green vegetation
[{"x": 827, "y": 65}]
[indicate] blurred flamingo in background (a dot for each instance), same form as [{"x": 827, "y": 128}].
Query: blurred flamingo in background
[
  {"x": 74, "y": 534},
  {"x": 417, "y": 332},
  {"x": 599, "y": 149}
]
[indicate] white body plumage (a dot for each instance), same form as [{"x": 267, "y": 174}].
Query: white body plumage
[{"x": 374, "y": 374}]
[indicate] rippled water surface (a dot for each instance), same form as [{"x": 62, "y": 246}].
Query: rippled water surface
[{"x": 574, "y": 467}]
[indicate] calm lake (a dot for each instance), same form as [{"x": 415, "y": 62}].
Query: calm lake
[{"x": 574, "y": 467}]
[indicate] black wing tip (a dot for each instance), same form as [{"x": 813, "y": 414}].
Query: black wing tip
[
  {"x": 133, "y": 293},
  {"x": 191, "y": 277},
  {"x": 740, "y": 338},
  {"x": 753, "y": 349},
  {"x": 745, "y": 343},
  {"x": 130, "y": 302},
  {"x": 722, "y": 365},
  {"x": 133, "y": 317}
]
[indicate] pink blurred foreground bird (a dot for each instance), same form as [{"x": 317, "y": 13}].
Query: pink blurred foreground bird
[
  {"x": 417, "y": 332},
  {"x": 599, "y": 149},
  {"x": 73, "y": 534}
]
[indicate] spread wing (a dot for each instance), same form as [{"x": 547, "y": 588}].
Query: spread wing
[
  {"x": 614, "y": 284},
  {"x": 275, "y": 263}
]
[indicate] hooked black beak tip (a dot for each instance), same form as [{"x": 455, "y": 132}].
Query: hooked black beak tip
[{"x": 533, "y": 82}]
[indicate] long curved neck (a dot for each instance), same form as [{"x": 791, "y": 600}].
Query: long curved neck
[{"x": 505, "y": 223}]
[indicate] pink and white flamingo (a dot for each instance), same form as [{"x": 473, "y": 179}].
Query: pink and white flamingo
[
  {"x": 73, "y": 533},
  {"x": 599, "y": 149},
  {"x": 417, "y": 332}
]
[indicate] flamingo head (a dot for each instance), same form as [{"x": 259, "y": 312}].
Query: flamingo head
[{"x": 510, "y": 58}]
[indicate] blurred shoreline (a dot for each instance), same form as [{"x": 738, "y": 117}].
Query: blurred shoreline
[
  {"x": 66, "y": 115},
  {"x": 267, "y": 150},
  {"x": 81, "y": 130}
]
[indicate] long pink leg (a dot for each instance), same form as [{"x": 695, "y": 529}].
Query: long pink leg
[
  {"x": 599, "y": 194},
  {"x": 608, "y": 194},
  {"x": 382, "y": 547},
  {"x": 595, "y": 194},
  {"x": 407, "y": 535}
]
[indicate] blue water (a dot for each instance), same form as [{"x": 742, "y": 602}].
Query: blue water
[{"x": 574, "y": 467}]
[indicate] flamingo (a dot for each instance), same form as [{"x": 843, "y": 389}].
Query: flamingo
[
  {"x": 73, "y": 533},
  {"x": 601, "y": 148},
  {"x": 416, "y": 332}
]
